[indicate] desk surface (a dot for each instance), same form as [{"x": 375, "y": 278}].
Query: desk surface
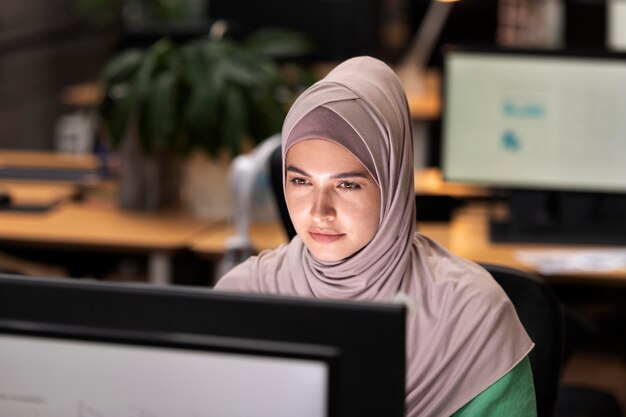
[
  {"x": 102, "y": 225},
  {"x": 429, "y": 181},
  {"x": 468, "y": 236},
  {"x": 36, "y": 193},
  {"x": 42, "y": 159},
  {"x": 91, "y": 224}
]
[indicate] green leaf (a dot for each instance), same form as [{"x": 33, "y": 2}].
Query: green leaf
[
  {"x": 240, "y": 68},
  {"x": 161, "y": 117},
  {"x": 194, "y": 64},
  {"x": 267, "y": 116},
  {"x": 202, "y": 116},
  {"x": 154, "y": 56},
  {"x": 269, "y": 69},
  {"x": 215, "y": 50},
  {"x": 234, "y": 124},
  {"x": 279, "y": 43},
  {"x": 116, "y": 115},
  {"x": 122, "y": 66}
]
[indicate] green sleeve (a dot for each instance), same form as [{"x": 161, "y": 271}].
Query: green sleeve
[{"x": 513, "y": 395}]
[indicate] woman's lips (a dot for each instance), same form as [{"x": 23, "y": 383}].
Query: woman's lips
[{"x": 325, "y": 237}]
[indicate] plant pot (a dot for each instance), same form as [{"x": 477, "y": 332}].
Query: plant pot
[
  {"x": 147, "y": 181},
  {"x": 206, "y": 190}
]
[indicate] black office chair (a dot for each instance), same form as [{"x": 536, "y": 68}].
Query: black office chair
[
  {"x": 548, "y": 323},
  {"x": 541, "y": 314},
  {"x": 543, "y": 317},
  {"x": 276, "y": 178}
]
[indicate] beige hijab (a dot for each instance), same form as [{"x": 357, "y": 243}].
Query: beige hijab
[{"x": 464, "y": 333}]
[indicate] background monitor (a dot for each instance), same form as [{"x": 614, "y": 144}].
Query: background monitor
[
  {"x": 548, "y": 127},
  {"x": 71, "y": 347},
  {"x": 535, "y": 120}
]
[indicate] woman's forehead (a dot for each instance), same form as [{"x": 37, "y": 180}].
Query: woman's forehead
[
  {"x": 321, "y": 157},
  {"x": 321, "y": 150},
  {"x": 322, "y": 122}
]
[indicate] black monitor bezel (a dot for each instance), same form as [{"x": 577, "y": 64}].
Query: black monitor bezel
[{"x": 151, "y": 316}]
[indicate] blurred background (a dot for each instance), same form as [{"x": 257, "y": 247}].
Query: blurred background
[
  {"x": 153, "y": 99},
  {"x": 120, "y": 121},
  {"x": 48, "y": 46}
]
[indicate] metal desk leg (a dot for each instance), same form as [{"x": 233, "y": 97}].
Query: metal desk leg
[{"x": 160, "y": 268}]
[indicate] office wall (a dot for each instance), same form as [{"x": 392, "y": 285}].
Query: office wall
[{"x": 44, "y": 46}]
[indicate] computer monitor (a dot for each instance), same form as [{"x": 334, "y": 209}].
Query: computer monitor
[
  {"x": 540, "y": 123},
  {"x": 70, "y": 347}
]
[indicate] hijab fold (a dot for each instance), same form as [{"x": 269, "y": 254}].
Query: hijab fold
[{"x": 464, "y": 333}]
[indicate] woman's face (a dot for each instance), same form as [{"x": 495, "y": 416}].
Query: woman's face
[{"x": 333, "y": 201}]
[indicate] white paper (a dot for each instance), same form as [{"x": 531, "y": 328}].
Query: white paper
[{"x": 552, "y": 262}]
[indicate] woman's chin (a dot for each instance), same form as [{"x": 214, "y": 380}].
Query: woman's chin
[{"x": 328, "y": 253}]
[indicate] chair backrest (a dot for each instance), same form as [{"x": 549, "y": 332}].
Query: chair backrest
[
  {"x": 276, "y": 177},
  {"x": 541, "y": 314}
]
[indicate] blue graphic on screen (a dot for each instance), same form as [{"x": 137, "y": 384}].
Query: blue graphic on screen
[
  {"x": 529, "y": 110},
  {"x": 518, "y": 110},
  {"x": 510, "y": 141}
]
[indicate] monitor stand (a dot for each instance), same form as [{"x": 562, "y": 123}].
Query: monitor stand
[{"x": 562, "y": 217}]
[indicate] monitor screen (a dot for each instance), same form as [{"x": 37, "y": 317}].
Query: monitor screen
[
  {"x": 70, "y": 347},
  {"x": 64, "y": 377},
  {"x": 535, "y": 120}
]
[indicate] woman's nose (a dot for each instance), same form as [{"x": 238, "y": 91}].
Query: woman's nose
[{"x": 322, "y": 208}]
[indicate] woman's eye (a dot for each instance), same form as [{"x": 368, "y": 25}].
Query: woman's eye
[
  {"x": 298, "y": 181},
  {"x": 349, "y": 186}
]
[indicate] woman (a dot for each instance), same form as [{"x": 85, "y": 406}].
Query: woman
[{"x": 348, "y": 179}]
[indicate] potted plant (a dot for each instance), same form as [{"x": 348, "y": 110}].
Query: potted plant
[{"x": 210, "y": 97}]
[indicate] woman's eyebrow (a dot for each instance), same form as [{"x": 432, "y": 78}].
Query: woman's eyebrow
[
  {"x": 297, "y": 170},
  {"x": 352, "y": 174},
  {"x": 342, "y": 175}
]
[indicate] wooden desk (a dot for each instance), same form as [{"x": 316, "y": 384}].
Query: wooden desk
[
  {"x": 104, "y": 227},
  {"x": 49, "y": 167},
  {"x": 429, "y": 181},
  {"x": 42, "y": 159},
  {"x": 211, "y": 241},
  {"x": 90, "y": 225},
  {"x": 466, "y": 236},
  {"x": 29, "y": 193}
]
